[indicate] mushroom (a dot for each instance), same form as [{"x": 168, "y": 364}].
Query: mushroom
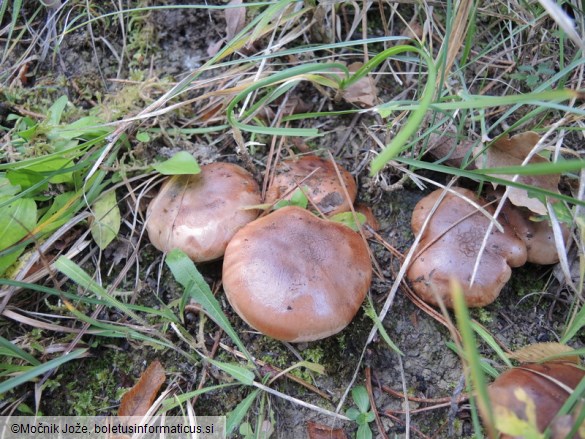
[
  {"x": 538, "y": 236},
  {"x": 449, "y": 248},
  {"x": 200, "y": 213},
  {"x": 544, "y": 386},
  {"x": 295, "y": 277},
  {"x": 324, "y": 187}
]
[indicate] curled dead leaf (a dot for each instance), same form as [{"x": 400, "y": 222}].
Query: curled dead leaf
[
  {"x": 139, "y": 398},
  {"x": 235, "y": 19},
  {"x": 363, "y": 92},
  {"x": 512, "y": 151},
  {"x": 452, "y": 151}
]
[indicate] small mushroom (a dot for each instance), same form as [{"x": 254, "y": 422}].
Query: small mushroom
[
  {"x": 324, "y": 187},
  {"x": 295, "y": 277},
  {"x": 544, "y": 386},
  {"x": 537, "y": 235},
  {"x": 449, "y": 248},
  {"x": 200, "y": 213}
]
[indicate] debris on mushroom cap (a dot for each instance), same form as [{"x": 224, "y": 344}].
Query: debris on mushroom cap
[
  {"x": 324, "y": 187},
  {"x": 296, "y": 277},
  {"x": 545, "y": 385},
  {"x": 200, "y": 213},
  {"x": 537, "y": 235},
  {"x": 449, "y": 248}
]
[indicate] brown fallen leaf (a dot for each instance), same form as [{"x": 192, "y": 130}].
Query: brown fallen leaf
[
  {"x": 235, "y": 19},
  {"x": 139, "y": 398},
  {"x": 513, "y": 151},
  {"x": 320, "y": 431},
  {"x": 451, "y": 151},
  {"x": 363, "y": 92}
]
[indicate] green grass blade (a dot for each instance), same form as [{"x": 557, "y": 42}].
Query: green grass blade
[
  {"x": 575, "y": 326},
  {"x": 171, "y": 403},
  {"x": 39, "y": 370},
  {"x": 415, "y": 118},
  {"x": 18, "y": 352},
  {"x": 472, "y": 355},
  {"x": 481, "y": 177},
  {"x": 81, "y": 278},
  {"x": 186, "y": 274},
  {"x": 235, "y": 418},
  {"x": 371, "y": 313},
  {"x": 489, "y": 339}
]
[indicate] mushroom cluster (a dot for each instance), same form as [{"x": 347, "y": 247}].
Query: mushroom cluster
[
  {"x": 290, "y": 274},
  {"x": 450, "y": 244},
  {"x": 536, "y": 392}
]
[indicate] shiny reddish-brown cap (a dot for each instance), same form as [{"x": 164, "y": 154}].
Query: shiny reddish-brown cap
[
  {"x": 547, "y": 385},
  {"x": 295, "y": 277},
  {"x": 449, "y": 248},
  {"x": 200, "y": 213},
  {"x": 537, "y": 235},
  {"x": 324, "y": 187}
]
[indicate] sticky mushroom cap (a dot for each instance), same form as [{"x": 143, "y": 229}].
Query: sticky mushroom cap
[
  {"x": 538, "y": 236},
  {"x": 200, "y": 213},
  {"x": 295, "y": 277},
  {"x": 324, "y": 187},
  {"x": 449, "y": 248},
  {"x": 546, "y": 385}
]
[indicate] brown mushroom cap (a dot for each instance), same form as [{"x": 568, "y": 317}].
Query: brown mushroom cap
[
  {"x": 538, "y": 236},
  {"x": 450, "y": 245},
  {"x": 324, "y": 188},
  {"x": 200, "y": 213},
  {"x": 296, "y": 277},
  {"x": 538, "y": 383}
]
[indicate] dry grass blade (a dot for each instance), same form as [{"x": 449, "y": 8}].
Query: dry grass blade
[{"x": 459, "y": 29}]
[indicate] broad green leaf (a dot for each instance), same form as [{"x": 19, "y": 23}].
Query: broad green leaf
[
  {"x": 26, "y": 178},
  {"x": 60, "y": 211},
  {"x": 186, "y": 274},
  {"x": 361, "y": 398},
  {"x": 142, "y": 137},
  {"x": 352, "y": 413},
  {"x": 235, "y": 417},
  {"x": 106, "y": 220},
  {"x": 298, "y": 198},
  {"x": 7, "y": 188},
  {"x": 348, "y": 219},
  {"x": 56, "y": 110},
  {"x": 180, "y": 164},
  {"x": 243, "y": 375},
  {"x": 34, "y": 372},
  {"x": 86, "y": 128},
  {"x": 364, "y": 432},
  {"x": 54, "y": 164},
  {"x": 17, "y": 220}
]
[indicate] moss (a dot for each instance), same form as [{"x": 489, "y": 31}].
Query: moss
[{"x": 94, "y": 387}]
